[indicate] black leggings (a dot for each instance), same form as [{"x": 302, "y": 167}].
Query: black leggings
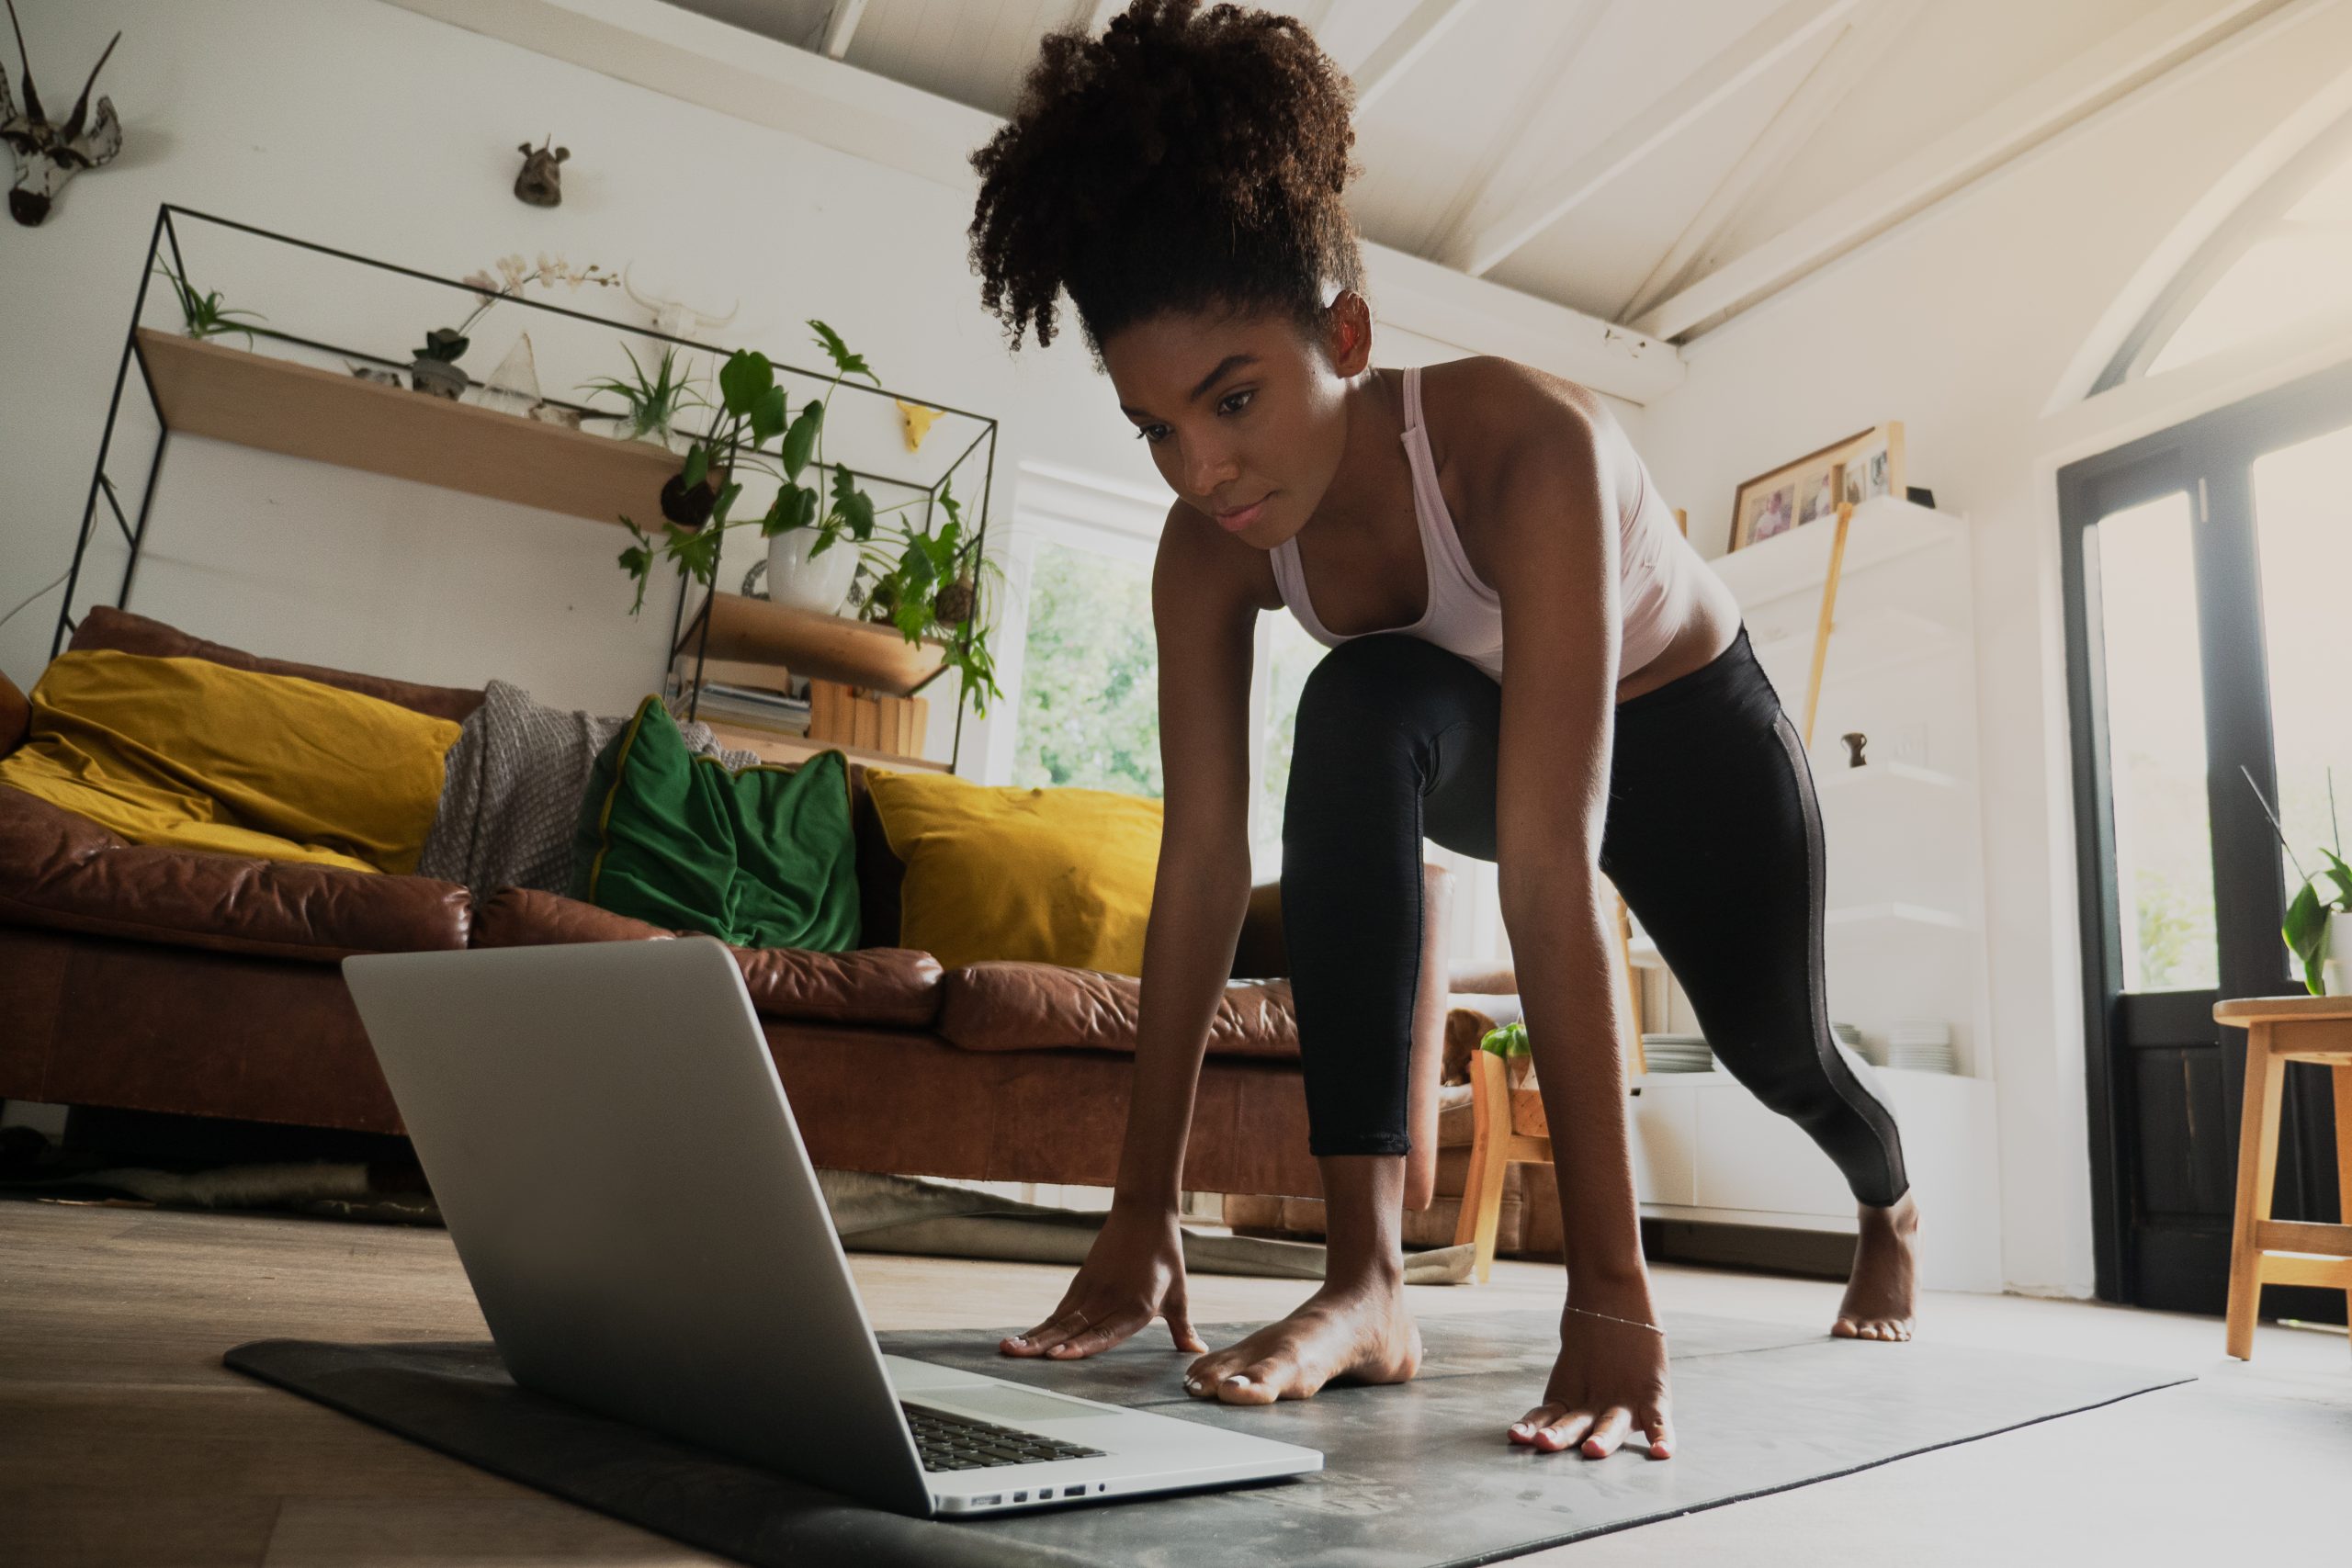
[{"x": 1713, "y": 836}]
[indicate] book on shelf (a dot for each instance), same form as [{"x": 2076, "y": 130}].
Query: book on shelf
[
  {"x": 720, "y": 709},
  {"x": 753, "y": 674}
]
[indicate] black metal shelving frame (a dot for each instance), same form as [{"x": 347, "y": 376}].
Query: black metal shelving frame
[{"x": 165, "y": 236}]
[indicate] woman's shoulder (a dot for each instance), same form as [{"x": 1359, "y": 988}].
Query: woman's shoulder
[
  {"x": 1206, "y": 568},
  {"x": 1479, "y": 410}
]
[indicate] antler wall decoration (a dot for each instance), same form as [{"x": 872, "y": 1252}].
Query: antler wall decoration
[{"x": 48, "y": 155}]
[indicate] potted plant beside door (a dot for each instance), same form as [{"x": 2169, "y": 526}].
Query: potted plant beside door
[{"x": 2318, "y": 927}]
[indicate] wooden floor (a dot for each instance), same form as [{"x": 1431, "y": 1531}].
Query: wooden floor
[{"x": 123, "y": 1441}]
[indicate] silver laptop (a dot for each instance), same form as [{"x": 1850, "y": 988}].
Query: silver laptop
[{"x": 612, "y": 1150}]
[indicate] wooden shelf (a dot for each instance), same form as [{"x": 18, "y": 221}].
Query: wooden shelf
[
  {"x": 1798, "y": 560},
  {"x": 828, "y": 647},
  {"x": 330, "y": 416},
  {"x": 778, "y": 748},
  {"x": 1867, "y": 645},
  {"x": 1890, "y": 776}
]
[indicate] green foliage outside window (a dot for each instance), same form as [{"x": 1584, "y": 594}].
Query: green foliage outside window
[{"x": 1089, "y": 687}]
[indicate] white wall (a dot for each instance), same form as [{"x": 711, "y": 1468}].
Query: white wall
[
  {"x": 1962, "y": 324},
  {"x": 377, "y": 131}
]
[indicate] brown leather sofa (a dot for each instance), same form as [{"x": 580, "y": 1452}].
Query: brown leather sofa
[{"x": 156, "y": 979}]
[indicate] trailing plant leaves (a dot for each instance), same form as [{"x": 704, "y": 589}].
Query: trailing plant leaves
[
  {"x": 638, "y": 561},
  {"x": 767, "y": 416},
  {"x": 744, "y": 379},
  {"x": 801, "y": 439},
  {"x": 697, "y": 465},
  {"x": 855, "y": 505},
  {"x": 697, "y": 551},
  {"x": 849, "y": 364},
  {"x": 725, "y": 499}
]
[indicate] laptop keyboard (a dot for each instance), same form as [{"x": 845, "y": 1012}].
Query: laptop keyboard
[{"x": 958, "y": 1442}]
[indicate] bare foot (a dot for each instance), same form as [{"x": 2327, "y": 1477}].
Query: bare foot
[
  {"x": 1881, "y": 1297},
  {"x": 1362, "y": 1334}
]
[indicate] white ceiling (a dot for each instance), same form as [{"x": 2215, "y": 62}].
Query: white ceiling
[{"x": 1658, "y": 164}]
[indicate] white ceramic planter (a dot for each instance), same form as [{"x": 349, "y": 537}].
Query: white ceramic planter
[
  {"x": 821, "y": 584},
  {"x": 2335, "y": 971}
]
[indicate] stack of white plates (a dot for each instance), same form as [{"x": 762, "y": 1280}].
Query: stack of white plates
[
  {"x": 1921, "y": 1047},
  {"x": 1677, "y": 1054},
  {"x": 1851, "y": 1038}
]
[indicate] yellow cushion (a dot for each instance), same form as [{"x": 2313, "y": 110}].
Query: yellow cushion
[
  {"x": 200, "y": 756},
  {"x": 1055, "y": 875}
]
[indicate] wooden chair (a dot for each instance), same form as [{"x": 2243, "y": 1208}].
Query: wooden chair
[
  {"x": 1509, "y": 1123},
  {"x": 2264, "y": 1251}
]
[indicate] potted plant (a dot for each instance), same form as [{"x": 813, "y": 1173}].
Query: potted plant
[
  {"x": 435, "y": 368},
  {"x": 203, "y": 315},
  {"x": 931, "y": 587},
  {"x": 2318, "y": 927},
  {"x": 1510, "y": 1043},
  {"x": 652, "y": 402}
]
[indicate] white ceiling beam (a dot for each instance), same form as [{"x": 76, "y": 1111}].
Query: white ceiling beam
[
  {"x": 1486, "y": 246},
  {"x": 833, "y": 104},
  {"x": 1858, "y": 53},
  {"x": 2118, "y": 65},
  {"x": 1521, "y": 124},
  {"x": 841, "y": 23},
  {"x": 1411, "y": 39}
]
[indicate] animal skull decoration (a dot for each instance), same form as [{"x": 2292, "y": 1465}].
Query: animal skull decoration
[
  {"x": 676, "y": 317},
  {"x": 48, "y": 155},
  {"x": 541, "y": 181}
]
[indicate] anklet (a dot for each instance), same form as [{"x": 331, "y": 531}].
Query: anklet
[{"x": 1628, "y": 1322}]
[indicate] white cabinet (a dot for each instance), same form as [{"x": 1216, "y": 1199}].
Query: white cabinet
[
  {"x": 1902, "y": 933},
  {"x": 1705, "y": 1149}
]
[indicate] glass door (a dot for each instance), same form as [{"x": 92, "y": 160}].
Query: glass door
[{"x": 2204, "y": 567}]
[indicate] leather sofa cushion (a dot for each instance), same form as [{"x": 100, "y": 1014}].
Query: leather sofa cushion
[
  {"x": 120, "y": 630},
  {"x": 893, "y": 987},
  {"x": 1016, "y": 1005},
  {"x": 15, "y": 715},
  {"x": 63, "y": 872}
]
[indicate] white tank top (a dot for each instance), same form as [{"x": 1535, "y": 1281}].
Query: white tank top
[{"x": 1465, "y": 616}]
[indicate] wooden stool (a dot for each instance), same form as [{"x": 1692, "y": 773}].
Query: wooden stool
[
  {"x": 1509, "y": 1123},
  {"x": 2264, "y": 1251}
]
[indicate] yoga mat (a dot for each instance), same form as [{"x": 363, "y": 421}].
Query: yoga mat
[{"x": 1416, "y": 1476}]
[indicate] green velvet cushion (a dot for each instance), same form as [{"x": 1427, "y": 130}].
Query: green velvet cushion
[{"x": 759, "y": 858}]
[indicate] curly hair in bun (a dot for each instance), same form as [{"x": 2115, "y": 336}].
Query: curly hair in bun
[{"x": 1187, "y": 160}]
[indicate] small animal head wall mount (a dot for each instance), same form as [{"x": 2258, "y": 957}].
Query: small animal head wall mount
[
  {"x": 541, "y": 181},
  {"x": 48, "y": 155}
]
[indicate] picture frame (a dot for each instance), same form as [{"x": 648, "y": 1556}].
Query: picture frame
[{"x": 1864, "y": 465}]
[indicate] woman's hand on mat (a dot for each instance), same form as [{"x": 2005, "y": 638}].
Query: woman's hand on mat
[
  {"x": 1133, "y": 1273},
  {"x": 1609, "y": 1385}
]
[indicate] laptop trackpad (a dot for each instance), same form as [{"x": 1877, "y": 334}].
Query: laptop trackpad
[{"x": 1016, "y": 1405}]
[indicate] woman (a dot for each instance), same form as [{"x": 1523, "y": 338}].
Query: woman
[{"x": 1529, "y": 665}]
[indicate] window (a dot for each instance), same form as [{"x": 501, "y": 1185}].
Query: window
[
  {"x": 1089, "y": 704},
  {"x": 1083, "y": 682},
  {"x": 1090, "y": 692},
  {"x": 2279, "y": 264}
]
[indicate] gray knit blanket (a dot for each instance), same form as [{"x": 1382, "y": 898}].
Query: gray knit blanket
[{"x": 511, "y": 794}]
